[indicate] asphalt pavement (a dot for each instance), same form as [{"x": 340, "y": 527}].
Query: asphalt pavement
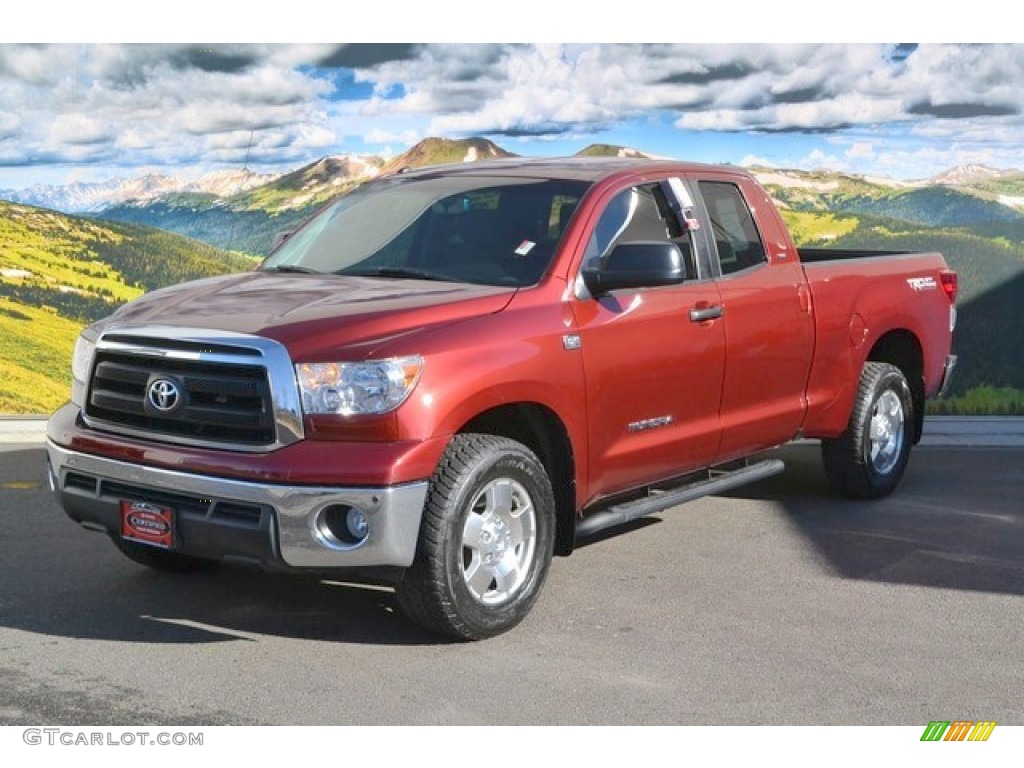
[{"x": 779, "y": 603}]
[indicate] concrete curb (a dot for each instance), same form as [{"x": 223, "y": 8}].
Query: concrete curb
[
  {"x": 939, "y": 431},
  {"x": 22, "y": 429},
  {"x": 974, "y": 431}
]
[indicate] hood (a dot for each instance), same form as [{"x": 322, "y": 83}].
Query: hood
[{"x": 311, "y": 314}]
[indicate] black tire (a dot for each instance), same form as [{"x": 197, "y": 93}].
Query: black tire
[
  {"x": 161, "y": 559},
  {"x": 866, "y": 464},
  {"x": 486, "y": 540}
]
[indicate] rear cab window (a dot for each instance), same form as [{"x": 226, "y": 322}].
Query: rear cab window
[{"x": 737, "y": 240}]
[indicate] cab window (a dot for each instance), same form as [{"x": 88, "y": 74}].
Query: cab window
[
  {"x": 638, "y": 214},
  {"x": 736, "y": 238}
]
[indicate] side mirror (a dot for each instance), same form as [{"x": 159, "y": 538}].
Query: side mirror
[
  {"x": 637, "y": 265},
  {"x": 279, "y": 238}
]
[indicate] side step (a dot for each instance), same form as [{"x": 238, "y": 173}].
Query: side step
[{"x": 620, "y": 514}]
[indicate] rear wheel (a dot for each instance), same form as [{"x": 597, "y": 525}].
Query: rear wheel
[
  {"x": 486, "y": 540},
  {"x": 162, "y": 559},
  {"x": 867, "y": 461}
]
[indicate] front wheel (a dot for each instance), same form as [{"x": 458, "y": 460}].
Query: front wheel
[
  {"x": 868, "y": 459},
  {"x": 486, "y": 540}
]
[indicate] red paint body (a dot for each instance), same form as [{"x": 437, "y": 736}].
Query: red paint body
[{"x": 783, "y": 361}]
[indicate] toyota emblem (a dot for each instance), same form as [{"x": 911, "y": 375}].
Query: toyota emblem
[{"x": 163, "y": 394}]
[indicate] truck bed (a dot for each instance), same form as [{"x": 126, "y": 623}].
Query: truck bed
[{"x": 816, "y": 255}]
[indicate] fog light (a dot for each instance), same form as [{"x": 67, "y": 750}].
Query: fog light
[{"x": 343, "y": 525}]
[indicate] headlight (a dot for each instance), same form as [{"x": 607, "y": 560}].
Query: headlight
[
  {"x": 81, "y": 363},
  {"x": 351, "y": 388}
]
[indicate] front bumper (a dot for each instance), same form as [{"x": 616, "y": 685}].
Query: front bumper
[{"x": 222, "y": 518}]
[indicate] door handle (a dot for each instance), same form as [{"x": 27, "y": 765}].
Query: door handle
[{"x": 703, "y": 314}]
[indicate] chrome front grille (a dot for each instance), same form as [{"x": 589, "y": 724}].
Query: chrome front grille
[
  {"x": 206, "y": 388},
  {"x": 216, "y": 402}
]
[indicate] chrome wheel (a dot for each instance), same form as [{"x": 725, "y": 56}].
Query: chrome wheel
[
  {"x": 887, "y": 430},
  {"x": 498, "y": 541}
]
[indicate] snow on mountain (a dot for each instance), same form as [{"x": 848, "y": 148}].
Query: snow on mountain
[
  {"x": 781, "y": 178},
  {"x": 229, "y": 181},
  {"x": 92, "y": 197},
  {"x": 963, "y": 175},
  {"x": 88, "y": 197}
]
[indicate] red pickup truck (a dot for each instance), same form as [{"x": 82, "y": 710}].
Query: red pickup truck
[{"x": 451, "y": 374}]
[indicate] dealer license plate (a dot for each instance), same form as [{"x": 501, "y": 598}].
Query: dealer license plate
[{"x": 147, "y": 523}]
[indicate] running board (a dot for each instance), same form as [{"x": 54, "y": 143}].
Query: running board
[{"x": 620, "y": 514}]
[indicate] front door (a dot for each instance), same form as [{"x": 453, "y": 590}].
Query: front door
[{"x": 654, "y": 358}]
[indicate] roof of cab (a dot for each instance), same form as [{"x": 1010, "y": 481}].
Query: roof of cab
[{"x": 578, "y": 168}]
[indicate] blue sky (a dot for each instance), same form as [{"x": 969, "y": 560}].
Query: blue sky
[{"x": 88, "y": 112}]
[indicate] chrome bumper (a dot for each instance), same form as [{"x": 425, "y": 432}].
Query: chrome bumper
[{"x": 393, "y": 513}]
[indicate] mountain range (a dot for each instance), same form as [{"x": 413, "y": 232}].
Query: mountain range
[
  {"x": 94, "y": 197},
  {"x": 312, "y": 184},
  {"x": 242, "y": 210}
]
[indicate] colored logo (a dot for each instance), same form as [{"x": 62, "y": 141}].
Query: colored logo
[
  {"x": 163, "y": 395},
  {"x": 958, "y": 730},
  {"x": 148, "y": 524}
]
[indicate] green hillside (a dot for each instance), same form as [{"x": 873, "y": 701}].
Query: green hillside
[
  {"x": 35, "y": 355},
  {"x": 609, "y": 150},
  {"x": 819, "y": 230},
  {"x": 59, "y": 272},
  {"x": 249, "y": 230},
  {"x": 435, "y": 151},
  {"x": 930, "y": 206}
]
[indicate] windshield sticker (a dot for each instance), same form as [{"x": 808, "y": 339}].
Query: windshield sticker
[{"x": 525, "y": 247}]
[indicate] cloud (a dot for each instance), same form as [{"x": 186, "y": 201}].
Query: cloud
[
  {"x": 734, "y": 70},
  {"x": 214, "y": 58},
  {"x": 820, "y": 159},
  {"x": 363, "y": 55},
  {"x": 152, "y": 104},
  {"x": 554, "y": 89},
  {"x": 961, "y": 109},
  {"x": 10, "y": 125},
  {"x": 77, "y": 129},
  {"x": 159, "y": 103},
  {"x": 380, "y": 136},
  {"x": 861, "y": 150}
]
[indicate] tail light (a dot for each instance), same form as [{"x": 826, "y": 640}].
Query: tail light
[{"x": 949, "y": 284}]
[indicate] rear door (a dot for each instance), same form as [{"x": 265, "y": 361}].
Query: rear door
[
  {"x": 653, "y": 373},
  {"x": 767, "y": 317}
]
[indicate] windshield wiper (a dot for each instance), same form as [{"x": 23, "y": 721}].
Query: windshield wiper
[
  {"x": 292, "y": 268},
  {"x": 416, "y": 274}
]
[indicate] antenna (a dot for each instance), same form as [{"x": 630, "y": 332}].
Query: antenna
[{"x": 245, "y": 167}]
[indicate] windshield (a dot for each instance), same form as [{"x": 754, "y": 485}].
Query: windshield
[{"x": 495, "y": 231}]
